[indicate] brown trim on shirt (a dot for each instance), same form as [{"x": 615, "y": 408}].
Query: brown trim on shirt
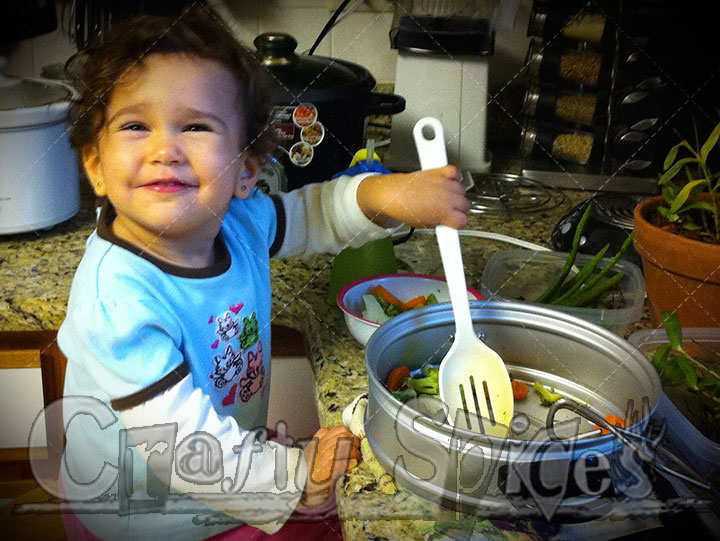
[{"x": 150, "y": 392}]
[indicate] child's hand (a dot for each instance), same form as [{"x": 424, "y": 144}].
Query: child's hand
[
  {"x": 330, "y": 454},
  {"x": 418, "y": 199}
]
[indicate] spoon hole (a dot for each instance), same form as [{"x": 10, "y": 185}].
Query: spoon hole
[
  {"x": 491, "y": 414},
  {"x": 428, "y": 132}
]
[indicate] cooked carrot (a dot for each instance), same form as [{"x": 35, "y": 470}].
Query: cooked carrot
[
  {"x": 613, "y": 420},
  {"x": 412, "y": 303},
  {"x": 387, "y": 296},
  {"x": 395, "y": 377},
  {"x": 520, "y": 390}
]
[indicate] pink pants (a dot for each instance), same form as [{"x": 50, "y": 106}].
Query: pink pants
[{"x": 320, "y": 525}]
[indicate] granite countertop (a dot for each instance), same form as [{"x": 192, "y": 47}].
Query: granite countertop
[{"x": 37, "y": 268}]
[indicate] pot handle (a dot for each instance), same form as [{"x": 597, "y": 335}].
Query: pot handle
[{"x": 382, "y": 103}]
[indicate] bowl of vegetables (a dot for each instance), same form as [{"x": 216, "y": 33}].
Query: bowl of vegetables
[{"x": 369, "y": 302}]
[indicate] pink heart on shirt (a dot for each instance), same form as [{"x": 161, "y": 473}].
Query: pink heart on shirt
[
  {"x": 235, "y": 308},
  {"x": 214, "y": 345},
  {"x": 210, "y": 319},
  {"x": 230, "y": 398}
]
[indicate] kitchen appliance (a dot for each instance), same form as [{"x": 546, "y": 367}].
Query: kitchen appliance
[
  {"x": 610, "y": 221},
  {"x": 442, "y": 71},
  {"x": 321, "y": 108},
  {"x": 497, "y": 477},
  {"x": 39, "y": 179}
]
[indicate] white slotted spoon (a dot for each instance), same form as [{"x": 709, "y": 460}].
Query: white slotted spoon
[{"x": 474, "y": 382}]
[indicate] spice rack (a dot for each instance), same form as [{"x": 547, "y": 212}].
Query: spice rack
[{"x": 581, "y": 130}]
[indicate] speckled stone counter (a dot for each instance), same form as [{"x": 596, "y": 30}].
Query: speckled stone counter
[{"x": 36, "y": 271}]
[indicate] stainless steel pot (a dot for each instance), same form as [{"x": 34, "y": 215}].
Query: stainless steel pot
[{"x": 526, "y": 472}]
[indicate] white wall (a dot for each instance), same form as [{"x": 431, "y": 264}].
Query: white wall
[{"x": 361, "y": 37}]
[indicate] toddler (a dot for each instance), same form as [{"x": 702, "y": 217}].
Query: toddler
[{"x": 167, "y": 332}]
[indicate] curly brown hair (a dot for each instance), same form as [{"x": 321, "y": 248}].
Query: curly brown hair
[{"x": 199, "y": 32}]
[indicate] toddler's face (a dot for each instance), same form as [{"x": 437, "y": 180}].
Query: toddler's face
[{"x": 170, "y": 154}]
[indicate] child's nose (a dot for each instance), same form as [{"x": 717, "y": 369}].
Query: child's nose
[{"x": 165, "y": 148}]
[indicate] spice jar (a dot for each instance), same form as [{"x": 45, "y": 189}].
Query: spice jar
[
  {"x": 551, "y": 64},
  {"x": 566, "y": 105},
  {"x": 582, "y": 26},
  {"x": 544, "y": 140}
]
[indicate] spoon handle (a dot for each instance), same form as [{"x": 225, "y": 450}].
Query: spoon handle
[
  {"x": 430, "y": 142},
  {"x": 449, "y": 244}
]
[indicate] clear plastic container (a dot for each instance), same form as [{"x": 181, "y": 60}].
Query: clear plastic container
[
  {"x": 525, "y": 274},
  {"x": 699, "y": 451}
]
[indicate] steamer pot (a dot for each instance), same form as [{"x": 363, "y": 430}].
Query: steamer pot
[
  {"x": 39, "y": 179},
  {"x": 525, "y": 474}
]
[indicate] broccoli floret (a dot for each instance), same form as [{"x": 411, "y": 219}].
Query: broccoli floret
[
  {"x": 429, "y": 370},
  {"x": 425, "y": 385},
  {"x": 403, "y": 395},
  {"x": 431, "y": 299},
  {"x": 547, "y": 397}
]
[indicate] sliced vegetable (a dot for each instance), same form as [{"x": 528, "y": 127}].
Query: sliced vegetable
[
  {"x": 587, "y": 285},
  {"x": 613, "y": 420},
  {"x": 552, "y": 291},
  {"x": 387, "y": 296},
  {"x": 412, "y": 303},
  {"x": 425, "y": 385},
  {"x": 395, "y": 377},
  {"x": 373, "y": 311},
  {"x": 547, "y": 397},
  {"x": 403, "y": 395},
  {"x": 520, "y": 390},
  {"x": 431, "y": 299}
]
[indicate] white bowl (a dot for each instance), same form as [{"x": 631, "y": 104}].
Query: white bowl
[{"x": 403, "y": 286}]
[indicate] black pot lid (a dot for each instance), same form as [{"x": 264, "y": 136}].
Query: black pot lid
[{"x": 313, "y": 78}]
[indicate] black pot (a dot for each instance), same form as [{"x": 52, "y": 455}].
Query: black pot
[{"x": 331, "y": 98}]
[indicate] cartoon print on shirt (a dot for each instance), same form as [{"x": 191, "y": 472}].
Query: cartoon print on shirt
[
  {"x": 250, "y": 332},
  {"x": 252, "y": 382},
  {"x": 226, "y": 367},
  {"x": 227, "y": 327}
]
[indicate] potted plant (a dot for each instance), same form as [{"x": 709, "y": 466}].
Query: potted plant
[{"x": 677, "y": 235}]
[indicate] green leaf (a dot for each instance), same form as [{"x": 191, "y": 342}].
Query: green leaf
[
  {"x": 672, "y": 328},
  {"x": 688, "y": 372},
  {"x": 710, "y": 143},
  {"x": 702, "y": 205},
  {"x": 669, "y": 216},
  {"x": 683, "y": 195},
  {"x": 671, "y": 156},
  {"x": 709, "y": 384},
  {"x": 667, "y": 368},
  {"x": 690, "y": 225},
  {"x": 668, "y": 175},
  {"x": 660, "y": 356}
]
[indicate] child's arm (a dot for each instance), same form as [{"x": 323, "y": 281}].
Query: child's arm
[
  {"x": 350, "y": 211},
  {"x": 418, "y": 199}
]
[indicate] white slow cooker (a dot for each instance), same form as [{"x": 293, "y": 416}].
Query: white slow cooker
[{"x": 39, "y": 180}]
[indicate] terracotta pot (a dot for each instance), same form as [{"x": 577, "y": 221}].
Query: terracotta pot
[{"x": 681, "y": 275}]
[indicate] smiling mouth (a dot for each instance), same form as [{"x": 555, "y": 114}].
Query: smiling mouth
[{"x": 167, "y": 185}]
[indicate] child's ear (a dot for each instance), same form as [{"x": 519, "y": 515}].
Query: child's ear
[
  {"x": 93, "y": 170},
  {"x": 248, "y": 178}
]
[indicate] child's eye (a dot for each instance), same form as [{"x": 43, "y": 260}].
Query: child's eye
[
  {"x": 198, "y": 127},
  {"x": 132, "y": 126}
]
